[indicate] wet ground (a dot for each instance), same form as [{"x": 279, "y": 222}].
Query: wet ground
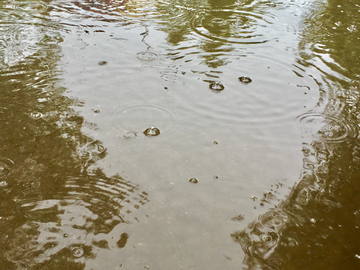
[{"x": 179, "y": 134}]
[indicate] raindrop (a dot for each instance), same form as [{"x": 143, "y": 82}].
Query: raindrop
[
  {"x": 266, "y": 238},
  {"x": 152, "y": 131},
  {"x": 77, "y": 252},
  {"x": 131, "y": 134},
  {"x": 193, "y": 180},
  {"x": 147, "y": 56},
  {"x": 216, "y": 86},
  {"x": 102, "y": 63},
  {"x": 36, "y": 115},
  {"x": 5, "y": 165},
  {"x": 245, "y": 79},
  {"x": 3, "y": 183}
]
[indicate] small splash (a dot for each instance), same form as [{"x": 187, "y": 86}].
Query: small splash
[
  {"x": 3, "y": 183},
  {"x": 77, "y": 252},
  {"x": 147, "y": 56},
  {"x": 5, "y": 165},
  {"x": 193, "y": 180},
  {"x": 36, "y": 115},
  {"x": 102, "y": 63},
  {"x": 216, "y": 86},
  {"x": 130, "y": 135},
  {"x": 245, "y": 79},
  {"x": 152, "y": 131}
]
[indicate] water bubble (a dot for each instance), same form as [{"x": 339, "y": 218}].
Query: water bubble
[
  {"x": 102, "y": 63},
  {"x": 77, "y": 252},
  {"x": 193, "y": 180},
  {"x": 216, "y": 86},
  {"x": 147, "y": 56},
  {"x": 152, "y": 131},
  {"x": 245, "y": 79}
]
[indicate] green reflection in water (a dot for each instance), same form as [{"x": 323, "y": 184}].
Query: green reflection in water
[
  {"x": 56, "y": 207},
  {"x": 317, "y": 226}
]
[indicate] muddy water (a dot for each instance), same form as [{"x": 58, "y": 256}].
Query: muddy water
[{"x": 179, "y": 134}]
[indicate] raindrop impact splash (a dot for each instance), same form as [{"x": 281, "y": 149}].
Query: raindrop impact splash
[
  {"x": 193, "y": 180},
  {"x": 245, "y": 79},
  {"x": 152, "y": 132},
  {"x": 325, "y": 127},
  {"x": 5, "y": 165},
  {"x": 216, "y": 86}
]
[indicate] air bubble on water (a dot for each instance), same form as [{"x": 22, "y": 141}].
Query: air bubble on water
[
  {"x": 152, "y": 131},
  {"x": 245, "y": 79},
  {"x": 77, "y": 252},
  {"x": 193, "y": 180},
  {"x": 216, "y": 86}
]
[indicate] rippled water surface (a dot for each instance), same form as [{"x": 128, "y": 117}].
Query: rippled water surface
[{"x": 179, "y": 134}]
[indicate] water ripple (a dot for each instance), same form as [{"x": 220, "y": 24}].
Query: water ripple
[
  {"x": 326, "y": 127},
  {"x": 135, "y": 118}
]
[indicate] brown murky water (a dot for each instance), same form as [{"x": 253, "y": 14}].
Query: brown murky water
[{"x": 180, "y": 134}]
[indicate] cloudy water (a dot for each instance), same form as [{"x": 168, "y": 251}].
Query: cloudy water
[{"x": 179, "y": 134}]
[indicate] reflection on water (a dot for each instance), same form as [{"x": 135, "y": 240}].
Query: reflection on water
[
  {"x": 58, "y": 209},
  {"x": 317, "y": 225},
  {"x": 105, "y": 103}
]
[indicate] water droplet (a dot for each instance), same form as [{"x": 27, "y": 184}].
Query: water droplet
[
  {"x": 147, "y": 56},
  {"x": 102, "y": 63},
  {"x": 77, "y": 252},
  {"x": 193, "y": 180},
  {"x": 152, "y": 131},
  {"x": 216, "y": 86},
  {"x": 245, "y": 79}
]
